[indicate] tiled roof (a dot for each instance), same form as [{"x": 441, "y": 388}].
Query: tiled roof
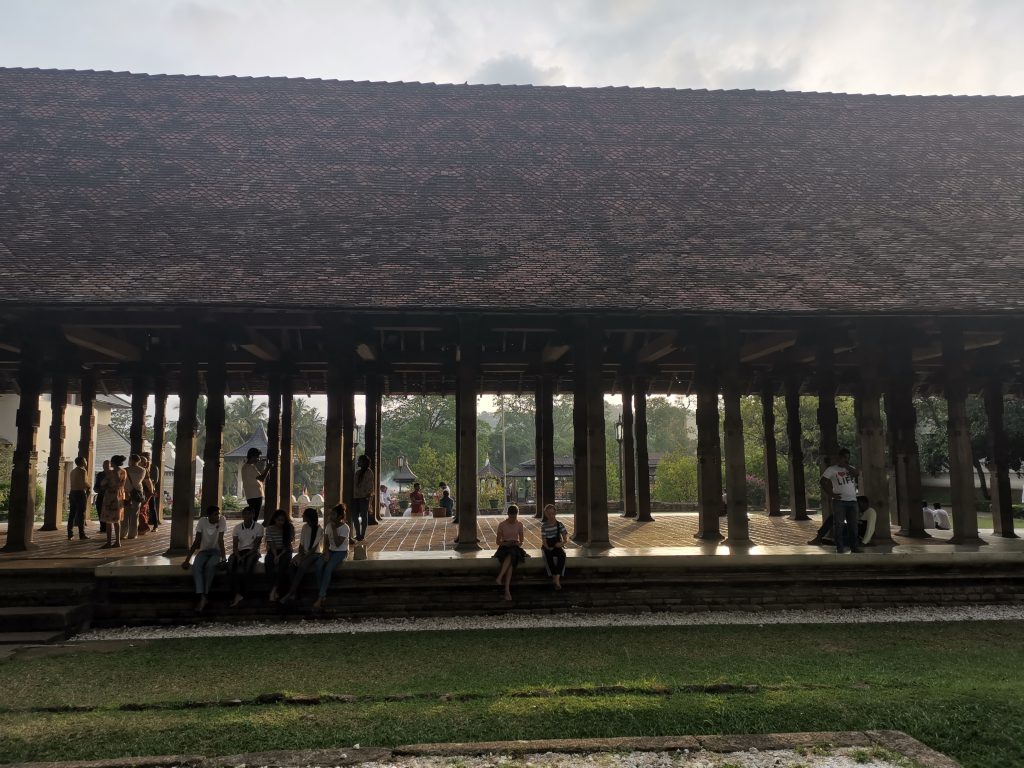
[
  {"x": 110, "y": 442},
  {"x": 289, "y": 193}
]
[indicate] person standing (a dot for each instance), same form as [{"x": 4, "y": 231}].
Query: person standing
[
  {"x": 114, "y": 481},
  {"x": 385, "y": 502},
  {"x": 209, "y": 542},
  {"x": 245, "y": 553},
  {"x": 362, "y": 490},
  {"x": 553, "y": 538},
  {"x": 839, "y": 481},
  {"x": 99, "y": 484},
  {"x": 337, "y": 550},
  {"x": 253, "y": 479},
  {"x": 78, "y": 498},
  {"x": 510, "y": 551},
  {"x": 136, "y": 495},
  {"x": 417, "y": 501}
]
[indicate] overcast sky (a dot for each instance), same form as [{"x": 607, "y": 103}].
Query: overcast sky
[{"x": 865, "y": 46}]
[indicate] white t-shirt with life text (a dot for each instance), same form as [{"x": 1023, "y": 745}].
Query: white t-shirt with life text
[
  {"x": 247, "y": 535},
  {"x": 844, "y": 484},
  {"x": 210, "y": 532}
]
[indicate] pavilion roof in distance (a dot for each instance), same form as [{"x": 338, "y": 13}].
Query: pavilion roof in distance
[{"x": 272, "y": 192}]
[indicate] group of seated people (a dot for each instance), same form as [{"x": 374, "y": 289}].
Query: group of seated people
[
  {"x": 321, "y": 548},
  {"x": 510, "y": 553}
]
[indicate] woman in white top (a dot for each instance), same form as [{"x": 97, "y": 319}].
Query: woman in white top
[
  {"x": 337, "y": 550},
  {"x": 209, "y": 542},
  {"x": 310, "y": 544}
]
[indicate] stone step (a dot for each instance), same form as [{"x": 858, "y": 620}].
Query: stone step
[
  {"x": 66, "y": 619},
  {"x": 30, "y": 638}
]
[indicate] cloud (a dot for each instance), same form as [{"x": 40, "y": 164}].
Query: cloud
[{"x": 512, "y": 69}]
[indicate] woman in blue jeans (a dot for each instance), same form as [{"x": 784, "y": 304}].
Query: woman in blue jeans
[{"x": 337, "y": 550}]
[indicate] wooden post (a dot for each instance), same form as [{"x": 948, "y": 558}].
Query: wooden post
[
  {"x": 156, "y": 467},
  {"x": 53, "y": 504},
  {"x": 371, "y": 438},
  {"x": 643, "y": 458},
  {"x": 828, "y": 416},
  {"x": 709, "y": 448},
  {"x": 581, "y": 482},
  {"x": 378, "y": 409},
  {"x": 548, "y": 436},
  {"x": 466, "y": 386},
  {"x": 874, "y": 482},
  {"x": 348, "y": 441},
  {"x": 213, "y": 462},
  {"x": 273, "y": 481},
  {"x": 795, "y": 436},
  {"x": 773, "y": 494},
  {"x": 286, "y": 474},
  {"x": 597, "y": 458},
  {"x": 333, "y": 450},
  {"x": 902, "y": 420},
  {"x": 539, "y": 454},
  {"x": 22, "y": 500},
  {"x": 628, "y": 448},
  {"x": 735, "y": 456},
  {"x": 961, "y": 465},
  {"x": 140, "y": 399},
  {"x": 999, "y": 461},
  {"x": 87, "y": 427},
  {"x": 185, "y": 460}
]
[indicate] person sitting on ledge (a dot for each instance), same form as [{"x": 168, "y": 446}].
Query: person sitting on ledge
[
  {"x": 941, "y": 517},
  {"x": 553, "y": 537},
  {"x": 447, "y": 503},
  {"x": 337, "y": 550},
  {"x": 310, "y": 543},
  {"x": 280, "y": 537},
  {"x": 209, "y": 541},
  {"x": 510, "y": 548},
  {"x": 246, "y": 539}
]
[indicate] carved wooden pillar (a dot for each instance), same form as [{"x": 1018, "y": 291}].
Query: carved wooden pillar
[
  {"x": 828, "y": 416},
  {"x": 709, "y": 447},
  {"x": 999, "y": 461},
  {"x": 140, "y": 399},
  {"x": 539, "y": 454},
  {"x": 735, "y": 456},
  {"x": 272, "y": 483},
  {"x": 185, "y": 460},
  {"x": 22, "y": 500},
  {"x": 286, "y": 475},
  {"x": 53, "y": 505},
  {"x": 87, "y": 427},
  {"x": 333, "y": 451},
  {"x": 371, "y": 437},
  {"x": 628, "y": 449},
  {"x": 548, "y": 436},
  {"x": 597, "y": 457},
  {"x": 902, "y": 420},
  {"x": 773, "y": 495},
  {"x": 467, "y": 388},
  {"x": 961, "y": 465},
  {"x": 213, "y": 461},
  {"x": 795, "y": 436},
  {"x": 581, "y": 482},
  {"x": 643, "y": 457},
  {"x": 874, "y": 481},
  {"x": 348, "y": 440},
  {"x": 156, "y": 466}
]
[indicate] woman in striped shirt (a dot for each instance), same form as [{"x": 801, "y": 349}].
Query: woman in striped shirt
[
  {"x": 280, "y": 536},
  {"x": 553, "y": 538}
]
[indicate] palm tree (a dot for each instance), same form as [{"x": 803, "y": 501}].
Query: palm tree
[
  {"x": 309, "y": 436},
  {"x": 242, "y": 417}
]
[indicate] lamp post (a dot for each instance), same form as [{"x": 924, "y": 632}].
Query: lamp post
[{"x": 618, "y": 439}]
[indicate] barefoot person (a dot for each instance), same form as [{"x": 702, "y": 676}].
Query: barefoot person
[
  {"x": 253, "y": 479},
  {"x": 246, "y": 539},
  {"x": 280, "y": 537},
  {"x": 417, "y": 501},
  {"x": 510, "y": 548},
  {"x": 78, "y": 498},
  {"x": 553, "y": 538},
  {"x": 310, "y": 543},
  {"x": 209, "y": 543},
  {"x": 337, "y": 551},
  {"x": 114, "y": 481},
  {"x": 361, "y": 492}
]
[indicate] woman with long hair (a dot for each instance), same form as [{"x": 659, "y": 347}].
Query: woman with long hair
[
  {"x": 280, "y": 536},
  {"x": 362, "y": 490},
  {"x": 310, "y": 543},
  {"x": 510, "y": 548},
  {"x": 553, "y": 538},
  {"x": 112, "y": 512}
]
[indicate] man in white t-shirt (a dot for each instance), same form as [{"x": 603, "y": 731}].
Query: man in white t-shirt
[
  {"x": 839, "y": 481},
  {"x": 246, "y": 539},
  {"x": 209, "y": 543},
  {"x": 252, "y": 480}
]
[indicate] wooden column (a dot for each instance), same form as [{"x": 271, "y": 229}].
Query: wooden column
[
  {"x": 213, "y": 461},
  {"x": 581, "y": 482},
  {"x": 273, "y": 480},
  {"x": 999, "y": 461},
  {"x": 828, "y": 417},
  {"x": 643, "y": 458},
  {"x": 378, "y": 408},
  {"x": 348, "y": 442},
  {"x": 548, "y": 436},
  {"x": 22, "y": 500},
  {"x": 286, "y": 463},
  {"x": 735, "y": 456},
  {"x": 87, "y": 427},
  {"x": 773, "y": 494},
  {"x": 185, "y": 460},
  {"x": 371, "y": 428},
  {"x": 466, "y": 386},
  {"x": 961, "y": 464},
  {"x": 140, "y": 399},
  {"x": 539, "y": 454},
  {"x": 156, "y": 466},
  {"x": 628, "y": 479},
  {"x": 597, "y": 457},
  {"x": 902, "y": 420},
  {"x": 709, "y": 449},
  {"x": 874, "y": 481},
  {"x": 795, "y": 436},
  {"x": 53, "y": 505},
  {"x": 333, "y": 450}
]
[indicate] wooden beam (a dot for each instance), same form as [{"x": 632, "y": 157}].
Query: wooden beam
[
  {"x": 657, "y": 348},
  {"x": 366, "y": 351},
  {"x": 766, "y": 344},
  {"x": 552, "y": 353},
  {"x": 102, "y": 343},
  {"x": 261, "y": 347}
]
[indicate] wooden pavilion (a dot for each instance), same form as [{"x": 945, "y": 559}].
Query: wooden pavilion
[{"x": 183, "y": 235}]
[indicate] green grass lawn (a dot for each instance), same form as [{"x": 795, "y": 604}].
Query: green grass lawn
[{"x": 957, "y": 687}]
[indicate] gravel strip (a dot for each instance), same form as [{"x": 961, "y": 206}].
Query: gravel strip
[{"x": 759, "y": 618}]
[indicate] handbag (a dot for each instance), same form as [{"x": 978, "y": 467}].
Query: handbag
[{"x": 135, "y": 495}]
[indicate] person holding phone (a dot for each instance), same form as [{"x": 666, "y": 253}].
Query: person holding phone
[{"x": 253, "y": 478}]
